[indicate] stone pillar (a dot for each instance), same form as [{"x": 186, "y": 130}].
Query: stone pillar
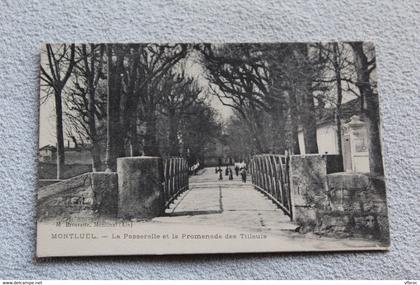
[
  {"x": 140, "y": 189},
  {"x": 308, "y": 175},
  {"x": 358, "y": 145}
]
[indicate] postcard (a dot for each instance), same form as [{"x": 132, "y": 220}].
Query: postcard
[{"x": 201, "y": 148}]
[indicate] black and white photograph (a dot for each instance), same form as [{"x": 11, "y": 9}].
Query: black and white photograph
[{"x": 196, "y": 148}]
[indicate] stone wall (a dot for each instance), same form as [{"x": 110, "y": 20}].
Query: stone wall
[
  {"x": 356, "y": 206},
  {"x": 333, "y": 203},
  {"x": 89, "y": 195}
]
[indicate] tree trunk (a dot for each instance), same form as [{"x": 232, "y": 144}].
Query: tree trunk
[
  {"x": 278, "y": 101},
  {"x": 96, "y": 157},
  {"x": 258, "y": 128},
  {"x": 59, "y": 133},
  {"x": 115, "y": 142},
  {"x": 173, "y": 133},
  {"x": 130, "y": 115},
  {"x": 279, "y": 142},
  {"x": 135, "y": 149},
  {"x": 308, "y": 118},
  {"x": 257, "y": 139},
  {"x": 151, "y": 147},
  {"x": 295, "y": 137},
  {"x": 372, "y": 109},
  {"x": 339, "y": 97},
  {"x": 339, "y": 135},
  {"x": 294, "y": 122},
  {"x": 91, "y": 90},
  {"x": 254, "y": 134}
]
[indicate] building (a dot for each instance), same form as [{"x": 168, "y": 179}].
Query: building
[
  {"x": 74, "y": 154},
  {"x": 77, "y": 161},
  {"x": 47, "y": 153},
  {"x": 353, "y": 136}
]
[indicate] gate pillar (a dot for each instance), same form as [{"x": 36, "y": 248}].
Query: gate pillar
[{"x": 140, "y": 189}]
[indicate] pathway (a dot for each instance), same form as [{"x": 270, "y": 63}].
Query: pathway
[
  {"x": 229, "y": 203},
  {"x": 210, "y": 204},
  {"x": 211, "y": 217}
]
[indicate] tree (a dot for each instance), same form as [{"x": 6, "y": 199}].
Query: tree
[
  {"x": 364, "y": 68},
  {"x": 239, "y": 78},
  {"x": 114, "y": 144},
  {"x": 276, "y": 79},
  {"x": 238, "y": 138},
  {"x": 199, "y": 129},
  {"x": 337, "y": 71},
  {"x": 282, "y": 96},
  {"x": 305, "y": 90},
  {"x": 55, "y": 75},
  {"x": 156, "y": 61},
  {"x": 85, "y": 101},
  {"x": 134, "y": 72},
  {"x": 178, "y": 94}
]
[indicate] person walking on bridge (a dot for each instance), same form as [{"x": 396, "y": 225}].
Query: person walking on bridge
[
  {"x": 236, "y": 169},
  {"x": 220, "y": 171},
  {"x": 230, "y": 174},
  {"x": 243, "y": 174}
]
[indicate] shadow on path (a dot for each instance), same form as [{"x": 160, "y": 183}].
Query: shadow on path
[{"x": 193, "y": 213}]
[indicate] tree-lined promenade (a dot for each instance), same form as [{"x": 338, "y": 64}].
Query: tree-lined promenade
[{"x": 122, "y": 100}]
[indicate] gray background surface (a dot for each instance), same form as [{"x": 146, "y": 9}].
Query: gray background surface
[{"x": 392, "y": 25}]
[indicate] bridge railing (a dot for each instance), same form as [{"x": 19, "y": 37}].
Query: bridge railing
[
  {"x": 270, "y": 175},
  {"x": 175, "y": 175}
]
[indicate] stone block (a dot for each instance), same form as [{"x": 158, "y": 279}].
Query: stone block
[
  {"x": 87, "y": 196},
  {"x": 65, "y": 198},
  {"x": 348, "y": 181},
  {"x": 306, "y": 218},
  {"x": 383, "y": 227},
  {"x": 140, "y": 189},
  {"x": 105, "y": 190},
  {"x": 344, "y": 204}
]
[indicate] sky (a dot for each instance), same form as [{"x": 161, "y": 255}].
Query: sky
[
  {"x": 47, "y": 108},
  {"x": 46, "y": 113},
  {"x": 192, "y": 67}
]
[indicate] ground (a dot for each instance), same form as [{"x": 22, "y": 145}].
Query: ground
[
  {"x": 211, "y": 217},
  {"x": 227, "y": 202},
  {"x": 238, "y": 206}
]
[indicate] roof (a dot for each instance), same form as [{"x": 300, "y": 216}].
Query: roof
[
  {"x": 348, "y": 110},
  {"x": 48, "y": 147}
]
